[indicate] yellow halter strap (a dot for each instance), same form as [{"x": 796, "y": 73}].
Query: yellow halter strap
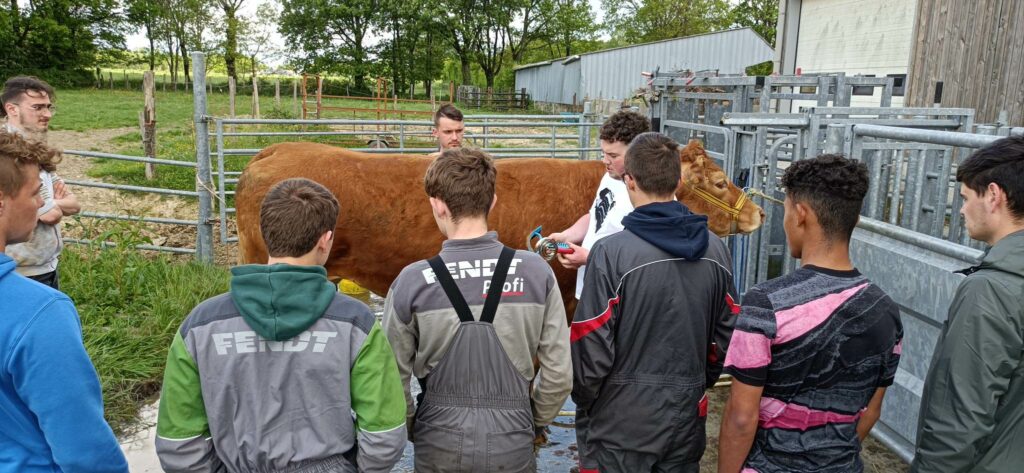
[{"x": 733, "y": 210}]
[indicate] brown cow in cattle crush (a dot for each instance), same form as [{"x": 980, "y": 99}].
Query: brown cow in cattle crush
[{"x": 385, "y": 221}]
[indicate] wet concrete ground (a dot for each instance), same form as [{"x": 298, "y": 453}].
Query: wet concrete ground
[{"x": 559, "y": 455}]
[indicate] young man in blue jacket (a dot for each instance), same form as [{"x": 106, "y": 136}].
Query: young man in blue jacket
[{"x": 51, "y": 408}]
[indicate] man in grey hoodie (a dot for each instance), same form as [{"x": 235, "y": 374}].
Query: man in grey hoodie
[{"x": 266, "y": 377}]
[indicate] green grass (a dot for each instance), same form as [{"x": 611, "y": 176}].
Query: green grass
[
  {"x": 130, "y": 305},
  {"x": 92, "y": 109}
]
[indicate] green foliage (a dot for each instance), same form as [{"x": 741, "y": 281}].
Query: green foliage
[
  {"x": 762, "y": 69},
  {"x": 760, "y": 15},
  {"x": 331, "y": 36},
  {"x": 56, "y": 38},
  {"x": 130, "y": 305},
  {"x": 643, "y": 21},
  {"x": 573, "y": 27}
]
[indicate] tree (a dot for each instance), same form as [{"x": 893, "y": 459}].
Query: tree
[
  {"x": 184, "y": 28},
  {"x": 573, "y": 23},
  {"x": 254, "y": 35},
  {"x": 410, "y": 52},
  {"x": 759, "y": 15},
  {"x": 640, "y": 21},
  {"x": 331, "y": 35},
  {"x": 57, "y": 39},
  {"x": 147, "y": 14},
  {"x": 230, "y": 9},
  {"x": 463, "y": 21}
]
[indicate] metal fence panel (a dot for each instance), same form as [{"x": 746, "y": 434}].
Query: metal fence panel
[{"x": 922, "y": 282}]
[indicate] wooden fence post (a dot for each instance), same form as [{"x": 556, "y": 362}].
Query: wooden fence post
[
  {"x": 319, "y": 95},
  {"x": 295, "y": 96},
  {"x": 277, "y": 93},
  {"x": 304, "y": 89},
  {"x": 126, "y": 86},
  {"x": 148, "y": 121},
  {"x": 255, "y": 96},
  {"x": 111, "y": 76},
  {"x": 231, "y": 100}
]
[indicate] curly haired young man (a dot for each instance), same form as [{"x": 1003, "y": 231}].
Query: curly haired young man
[{"x": 814, "y": 350}]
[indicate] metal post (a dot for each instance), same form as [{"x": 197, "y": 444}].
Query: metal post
[
  {"x": 204, "y": 179},
  {"x": 554, "y": 135},
  {"x": 584, "y": 131},
  {"x": 834, "y": 138},
  {"x": 220, "y": 182},
  {"x": 487, "y": 131}
]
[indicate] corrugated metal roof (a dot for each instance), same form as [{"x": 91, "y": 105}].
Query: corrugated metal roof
[{"x": 615, "y": 73}]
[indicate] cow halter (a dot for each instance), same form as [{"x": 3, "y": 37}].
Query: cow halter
[{"x": 733, "y": 210}]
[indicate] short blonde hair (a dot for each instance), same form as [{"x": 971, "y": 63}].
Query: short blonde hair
[{"x": 16, "y": 153}]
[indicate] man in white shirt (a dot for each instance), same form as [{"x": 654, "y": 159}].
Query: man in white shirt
[
  {"x": 611, "y": 202},
  {"x": 27, "y": 105}
]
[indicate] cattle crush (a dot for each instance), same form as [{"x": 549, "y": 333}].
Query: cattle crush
[{"x": 909, "y": 241}]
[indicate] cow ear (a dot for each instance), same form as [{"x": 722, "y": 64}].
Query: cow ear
[{"x": 690, "y": 152}]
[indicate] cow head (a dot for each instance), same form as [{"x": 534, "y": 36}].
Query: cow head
[{"x": 706, "y": 189}]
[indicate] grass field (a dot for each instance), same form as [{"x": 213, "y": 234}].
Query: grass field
[
  {"x": 130, "y": 305},
  {"x": 91, "y": 109}
]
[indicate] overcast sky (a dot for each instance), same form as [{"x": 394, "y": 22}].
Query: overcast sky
[{"x": 138, "y": 39}]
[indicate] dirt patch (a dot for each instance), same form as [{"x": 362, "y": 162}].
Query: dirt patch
[{"x": 135, "y": 204}]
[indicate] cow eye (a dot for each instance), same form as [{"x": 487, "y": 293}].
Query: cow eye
[{"x": 721, "y": 185}]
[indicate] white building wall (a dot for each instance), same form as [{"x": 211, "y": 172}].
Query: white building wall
[{"x": 856, "y": 37}]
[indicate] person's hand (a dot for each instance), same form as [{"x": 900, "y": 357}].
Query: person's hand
[
  {"x": 60, "y": 190},
  {"x": 574, "y": 260},
  {"x": 540, "y": 438},
  {"x": 558, "y": 236}
]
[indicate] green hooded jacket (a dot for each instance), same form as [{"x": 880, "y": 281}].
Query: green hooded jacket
[
  {"x": 972, "y": 408},
  {"x": 280, "y": 300}
]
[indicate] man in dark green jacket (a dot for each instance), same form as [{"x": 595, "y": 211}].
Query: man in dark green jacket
[{"x": 972, "y": 409}]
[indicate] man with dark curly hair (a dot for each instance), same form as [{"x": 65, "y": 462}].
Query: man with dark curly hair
[
  {"x": 814, "y": 350},
  {"x": 611, "y": 202}
]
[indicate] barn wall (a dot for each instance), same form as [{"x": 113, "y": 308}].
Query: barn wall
[
  {"x": 976, "y": 48},
  {"x": 856, "y": 37}
]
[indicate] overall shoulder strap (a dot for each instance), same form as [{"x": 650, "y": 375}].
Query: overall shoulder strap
[
  {"x": 497, "y": 283},
  {"x": 450, "y": 289}
]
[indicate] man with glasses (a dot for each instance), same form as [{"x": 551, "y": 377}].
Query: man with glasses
[{"x": 27, "y": 105}]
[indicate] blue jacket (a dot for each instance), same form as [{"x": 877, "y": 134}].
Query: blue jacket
[{"x": 51, "y": 409}]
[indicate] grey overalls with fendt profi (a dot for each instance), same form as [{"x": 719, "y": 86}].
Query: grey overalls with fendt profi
[{"x": 474, "y": 414}]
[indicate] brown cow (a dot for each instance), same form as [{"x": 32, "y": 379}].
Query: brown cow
[{"x": 386, "y": 223}]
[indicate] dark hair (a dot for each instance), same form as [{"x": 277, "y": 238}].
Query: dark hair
[
  {"x": 447, "y": 111},
  {"x": 834, "y": 187},
  {"x": 293, "y": 216},
  {"x": 17, "y": 152},
  {"x": 17, "y": 85},
  {"x": 624, "y": 126},
  {"x": 652, "y": 160},
  {"x": 1002, "y": 163},
  {"x": 463, "y": 178}
]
